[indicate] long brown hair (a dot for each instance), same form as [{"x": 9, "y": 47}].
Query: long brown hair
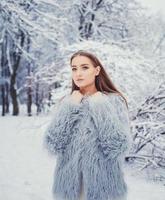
[{"x": 102, "y": 81}]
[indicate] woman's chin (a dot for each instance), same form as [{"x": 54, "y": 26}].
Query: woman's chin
[{"x": 80, "y": 85}]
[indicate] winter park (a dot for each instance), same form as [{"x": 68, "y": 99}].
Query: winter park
[{"x": 37, "y": 40}]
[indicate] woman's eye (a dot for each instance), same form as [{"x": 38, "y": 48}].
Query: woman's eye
[
  {"x": 74, "y": 69},
  {"x": 85, "y": 67}
]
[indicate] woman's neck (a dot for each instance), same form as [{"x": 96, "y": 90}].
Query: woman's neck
[{"x": 87, "y": 91}]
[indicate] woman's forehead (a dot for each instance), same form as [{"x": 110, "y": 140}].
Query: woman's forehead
[{"x": 81, "y": 60}]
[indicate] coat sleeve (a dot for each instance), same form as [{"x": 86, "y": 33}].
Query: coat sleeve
[
  {"x": 59, "y": 132},
  {"x": 114, "y": 133}
]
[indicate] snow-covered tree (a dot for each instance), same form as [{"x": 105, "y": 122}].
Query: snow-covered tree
[{"x": 28, "y": 30}]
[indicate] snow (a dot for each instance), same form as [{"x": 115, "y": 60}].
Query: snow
[
  {"x": 154, "y": 6},
  {"x": 26, "y": 168}
]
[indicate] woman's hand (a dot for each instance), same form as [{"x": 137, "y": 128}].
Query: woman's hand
[{"x": 76, "y": 96}]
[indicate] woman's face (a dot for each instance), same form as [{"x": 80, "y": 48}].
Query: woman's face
[{"x": 83, "y": 71}]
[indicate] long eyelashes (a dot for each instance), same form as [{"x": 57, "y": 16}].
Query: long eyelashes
[{"x": 74, "y": 69}]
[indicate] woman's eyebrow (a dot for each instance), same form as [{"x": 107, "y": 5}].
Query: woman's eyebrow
[{"x": 80, "y": 65}]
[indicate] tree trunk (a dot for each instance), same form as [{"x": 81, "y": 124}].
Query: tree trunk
[
  {"x": 29, "y": 90},
  {"x": 38, "y": 99},
  {"x": 3, "y": 99},
  {"x": 29, "y": 103},
  {"x": 3, "y": 75},
  {"x": 7, "y": 98},
  {"x": 13, "y": 93},
  {"x": 13, "y": 89}
]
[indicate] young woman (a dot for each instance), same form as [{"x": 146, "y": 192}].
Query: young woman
[{"x": 90, "y": 135}]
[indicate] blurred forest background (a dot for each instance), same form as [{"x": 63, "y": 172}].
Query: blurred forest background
[{"x": 37, "y": 38}]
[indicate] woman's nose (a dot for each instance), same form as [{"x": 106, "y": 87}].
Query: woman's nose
[{"x": 78, "y": 73}]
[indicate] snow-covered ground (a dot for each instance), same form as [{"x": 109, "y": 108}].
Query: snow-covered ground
[{"x": 26, "y": 169}]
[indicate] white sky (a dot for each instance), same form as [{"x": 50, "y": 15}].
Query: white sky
[{"x": 154, "y": 5}]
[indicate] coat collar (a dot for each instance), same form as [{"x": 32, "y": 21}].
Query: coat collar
[
  {"x": 99, "y": 96},
  {"x": 98, "y": 99}
]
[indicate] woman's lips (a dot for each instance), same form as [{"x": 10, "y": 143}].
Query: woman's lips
[{"x": 80, "y": 79}]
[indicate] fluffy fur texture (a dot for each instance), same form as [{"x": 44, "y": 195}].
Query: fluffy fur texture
[{"x": 90, "y": 141}]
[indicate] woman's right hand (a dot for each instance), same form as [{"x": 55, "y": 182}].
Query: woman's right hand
[{"x": 76, "y": 96}]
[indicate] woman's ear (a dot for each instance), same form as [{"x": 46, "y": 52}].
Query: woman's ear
[{"x": 98, "y": 68}]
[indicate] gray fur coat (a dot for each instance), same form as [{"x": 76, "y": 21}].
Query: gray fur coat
[{"x": 90, "y": 140}]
